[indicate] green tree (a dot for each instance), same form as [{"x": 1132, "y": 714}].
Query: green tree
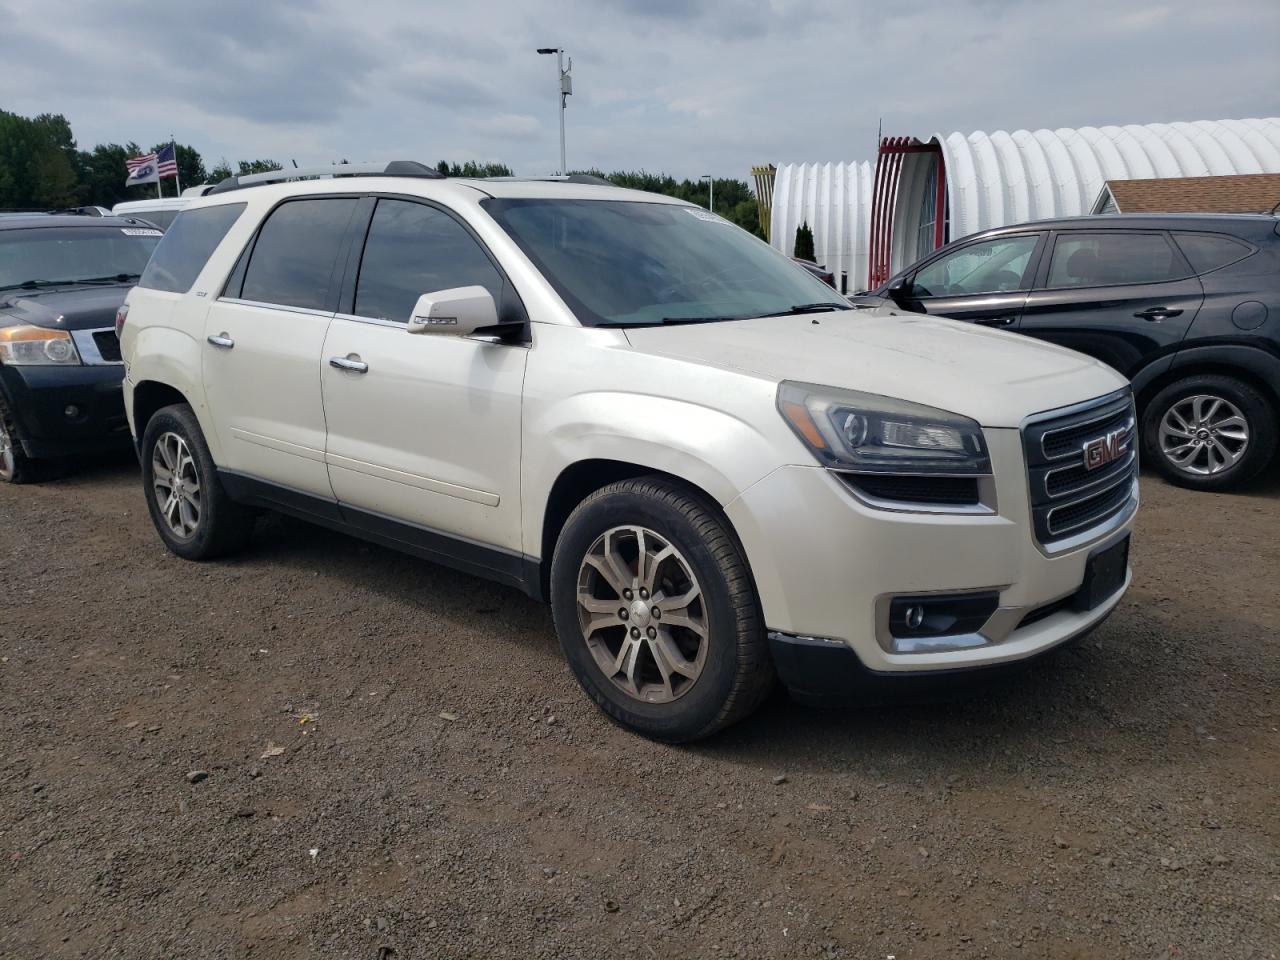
[
  {"x": 246, "y": 167},
  {"x": 804, "y": 242},
  {"x": 36, "y": 169},
  {"x": 473, "y": 168}
]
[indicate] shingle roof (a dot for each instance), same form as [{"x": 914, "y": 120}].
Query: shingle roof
[{"x": 1237, "y": 193}]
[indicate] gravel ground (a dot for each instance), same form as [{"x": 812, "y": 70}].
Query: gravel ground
[{"x": 325, "y": 749}]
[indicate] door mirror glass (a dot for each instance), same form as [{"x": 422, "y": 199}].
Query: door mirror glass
[{"x": 457, "y": 312}]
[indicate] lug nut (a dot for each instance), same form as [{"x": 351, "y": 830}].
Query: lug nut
[
  {"x": 644, "y": 594},
  {"x": 635, "y": 633},
  {"x": 657, "y": 613},
  {"x": 622, "y": 614},
  {"x": 652, "y": 633},
  {"x": 626, "y": 594}
]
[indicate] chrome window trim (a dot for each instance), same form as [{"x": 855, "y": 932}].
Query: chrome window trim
[
  {"x": 327, "y": 314},
  {"x": 90, "y": 355}
]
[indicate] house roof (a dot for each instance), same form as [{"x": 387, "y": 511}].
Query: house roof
[{"x": 1236, "y": 193}]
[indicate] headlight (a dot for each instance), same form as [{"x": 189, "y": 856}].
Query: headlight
[
  {"x": 866, "y": 433},
  {"x": 36, "y": 346}
]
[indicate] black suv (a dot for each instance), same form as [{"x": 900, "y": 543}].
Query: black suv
[
  {"x": 62, "y": 278},
  {"x": 1186, "y": 306}
]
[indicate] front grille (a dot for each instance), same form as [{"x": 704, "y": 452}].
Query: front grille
[
  {"x": 108, "y": 345},
  {"x": 1068, "y": 497},
  {"x": 944, "y": 491}
]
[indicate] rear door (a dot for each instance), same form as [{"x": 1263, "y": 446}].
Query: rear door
[
  {"x": 263, "y": 343},
  {"x": 1122, "y": 296},
  {"x": 984, "y": 282}
]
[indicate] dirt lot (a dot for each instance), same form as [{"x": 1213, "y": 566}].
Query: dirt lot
[{"x": 439, "y": 788}]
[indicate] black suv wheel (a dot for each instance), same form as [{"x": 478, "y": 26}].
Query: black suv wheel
[
  {"x": 1209, "y": 432},
  {"x": 657, "y": 612},
  {"x": 15, "y": 467}
]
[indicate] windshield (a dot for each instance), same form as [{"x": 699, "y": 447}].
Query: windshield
[
  {"x": 623, "y": 262},
  {"x": 55, "y": 254}
]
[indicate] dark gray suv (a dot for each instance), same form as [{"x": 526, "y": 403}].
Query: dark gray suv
[{"x": 1186, "y": 306}]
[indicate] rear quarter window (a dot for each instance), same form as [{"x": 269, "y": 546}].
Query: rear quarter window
[
  {"x": 1209, "y": 251},
  {"x": 187, "y": 245}
]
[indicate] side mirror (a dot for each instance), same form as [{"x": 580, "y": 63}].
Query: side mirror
[
  {"x": 457, "y": 312},
  {"x": 898, "y": 289}
]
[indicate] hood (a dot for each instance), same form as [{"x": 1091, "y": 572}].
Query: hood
[
  {"x": 67, "y": 308},
  {"x": 993, "y": 377}
]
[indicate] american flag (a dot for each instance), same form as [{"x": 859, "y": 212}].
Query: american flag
[
  {"x": 167, "y": 161},
  {"x": 150, "y": 167}
]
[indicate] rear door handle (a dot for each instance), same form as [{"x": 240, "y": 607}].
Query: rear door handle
[
  {"x": 997, "y": 321},
  {"x": 221, "y": 340},
  {"x": 1157, "y": 313},
  {"x": 352, "y": 363}
]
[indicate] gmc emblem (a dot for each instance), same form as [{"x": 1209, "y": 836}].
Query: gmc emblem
[{"x": 1100, "y": 452}]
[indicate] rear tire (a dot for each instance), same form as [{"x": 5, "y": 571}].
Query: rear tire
[
  {"x": 674, "y": 648},
  {"x": 15, "y": 465},
  {"x": 1209, "y": 432},
  {"x": 192, "y": 513}
]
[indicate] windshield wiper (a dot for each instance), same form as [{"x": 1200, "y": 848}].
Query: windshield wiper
[
  {"x": 824, "y": 306},
  {"x": 40, "y": 284},
  {"x": 114, "y": 278}
]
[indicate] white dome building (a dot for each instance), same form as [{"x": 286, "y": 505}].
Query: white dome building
[{"x": 869, "y": 222}]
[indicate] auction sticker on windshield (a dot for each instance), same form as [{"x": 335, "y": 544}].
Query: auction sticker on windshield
[
  {"x": 140, "y": 232},
  {"x": 705, "y": 215}
]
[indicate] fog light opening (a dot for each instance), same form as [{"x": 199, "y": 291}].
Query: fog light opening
[{"x": 72, "y": 411}]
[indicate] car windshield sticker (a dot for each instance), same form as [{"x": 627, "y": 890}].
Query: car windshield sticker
[
  {"x": 706, "y": 215},
  {"x": 139, "y": 232}
]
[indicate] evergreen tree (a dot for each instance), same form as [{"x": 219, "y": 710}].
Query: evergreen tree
[{"x": 804, "y": 242}]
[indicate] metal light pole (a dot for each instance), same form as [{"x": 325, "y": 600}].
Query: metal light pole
[
  {"x": 711, "y": 191},
  {"x": 565, "y": 91}
]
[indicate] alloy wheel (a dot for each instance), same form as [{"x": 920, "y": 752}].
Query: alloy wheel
[
  {"x": 176, "y": 485},
  {"x": 642, "y": 614},
  {"x": 8, "y": 460},
  {"x": 1203, "y": 434}
]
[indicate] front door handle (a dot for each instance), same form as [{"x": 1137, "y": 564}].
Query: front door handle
[
  {"x": 1158, "y": 313},
  {"x": 350, "y": 362},
  {"x": 997, "y": 321},
  {"x": 221, "y": 340}
]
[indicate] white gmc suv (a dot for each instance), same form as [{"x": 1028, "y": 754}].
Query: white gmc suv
[{"x": 715, "y": 470}]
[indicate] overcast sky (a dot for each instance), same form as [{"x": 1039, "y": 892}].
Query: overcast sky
[{"x": 682, "y": 87}]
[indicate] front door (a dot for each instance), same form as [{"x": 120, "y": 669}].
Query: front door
[
  {"x": 423, "y": 429},
  {"x": 1120, "y": 296},
  {"x": 983, "y": 282},
  {"x": 263, "y": 343}
]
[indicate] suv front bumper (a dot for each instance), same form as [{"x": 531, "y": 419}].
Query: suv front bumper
[
  {"x": 827, "y": 566},
  {"x": 66, "y": 410}
]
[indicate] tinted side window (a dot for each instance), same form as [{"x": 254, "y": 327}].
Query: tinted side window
[
  {"x": 1103, "y": 259},
  {"x": 293, "y": 259},
  {"x": 186, "y": 245},
  {"x": 414, "y": 249},
  {"x": 1209, "y": 251},
  {"x": 993, "y": 266}
]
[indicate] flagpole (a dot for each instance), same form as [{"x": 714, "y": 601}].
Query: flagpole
[{"x": 177, "y": 184}]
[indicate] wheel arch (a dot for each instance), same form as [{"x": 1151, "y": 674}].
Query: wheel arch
[
  {"x": 577, "y": 481},
  {"x": 1251, "y": 365},
  {"x": 150, "y": 396}
]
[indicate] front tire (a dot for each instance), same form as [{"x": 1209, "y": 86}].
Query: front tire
[
  {"x": 1209, "y": 432},
  {"x": 192, "y": 513},
  {"x": 657, "y": 612},
  {"x": 15, "y": 465}
]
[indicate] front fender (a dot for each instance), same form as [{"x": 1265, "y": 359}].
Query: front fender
[{"x": 718, "y": 452}]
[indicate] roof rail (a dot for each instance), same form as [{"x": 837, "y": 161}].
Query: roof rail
[
  {"x": 396, "y": 168},
  {"x": 557, "y": 178}
]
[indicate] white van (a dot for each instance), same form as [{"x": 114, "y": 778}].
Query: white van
[{"x": 161, "y": 210}]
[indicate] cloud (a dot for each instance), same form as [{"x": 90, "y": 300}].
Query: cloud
[{"x": 685, "y": 86}]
